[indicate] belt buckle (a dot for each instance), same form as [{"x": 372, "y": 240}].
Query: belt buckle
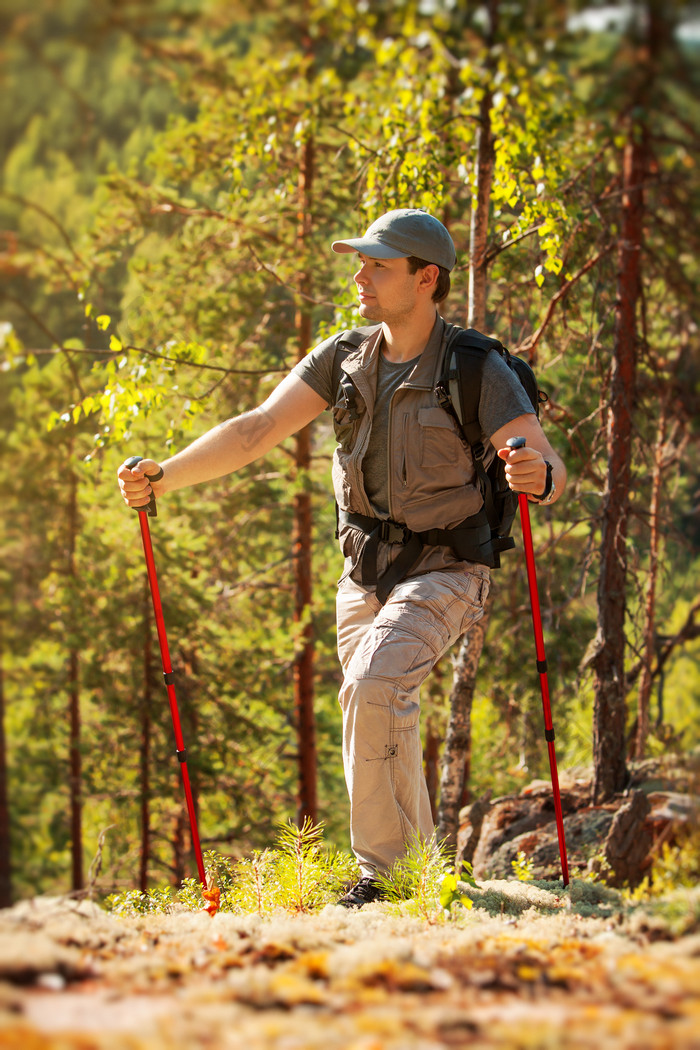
[{"x": 392, "y": 532}]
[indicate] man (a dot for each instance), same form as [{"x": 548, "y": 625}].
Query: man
[{"x": 403, "y": 485}]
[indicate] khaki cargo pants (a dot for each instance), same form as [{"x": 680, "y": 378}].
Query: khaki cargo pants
[{"x": 386, "y": 653}]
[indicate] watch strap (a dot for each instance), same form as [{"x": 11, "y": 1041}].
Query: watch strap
[{"x": 548, "y": 485}]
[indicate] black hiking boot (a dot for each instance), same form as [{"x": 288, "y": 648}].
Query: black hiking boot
[{"x": 363, "y": 892}]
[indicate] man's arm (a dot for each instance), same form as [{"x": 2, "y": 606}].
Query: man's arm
[
  {"x": 229, "y": 446},
  {"x": 526, "y": 469}
]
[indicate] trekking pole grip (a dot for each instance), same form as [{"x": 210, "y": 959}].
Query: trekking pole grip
[
  {"x": 517, "y": 442},
  {"x": 150, "y": 507},
  {"x": 513, "y": 443}
]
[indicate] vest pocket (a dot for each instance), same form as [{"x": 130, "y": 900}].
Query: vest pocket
[
  {"x": 347, "y": 415},
  {"x": 440, "y": 448}
]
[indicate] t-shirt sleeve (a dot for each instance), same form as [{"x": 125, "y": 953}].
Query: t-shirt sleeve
[
  {"x": 503, "y": 397},
  {"x": 316, "y": 369}
]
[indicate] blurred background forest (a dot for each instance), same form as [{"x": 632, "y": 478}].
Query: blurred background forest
[{"x": 173, "y": 173}]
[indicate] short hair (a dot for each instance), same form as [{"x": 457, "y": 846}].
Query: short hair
[{"x": 443, "y": 285}]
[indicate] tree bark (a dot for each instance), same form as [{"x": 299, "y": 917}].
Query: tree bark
[
  {"x": 456, "y": 757},
  {"x": 75, "y": 755},
  {"x": 433, "y": 734},
  {"x": 179, "y": 869},
  {"x": 457, "y": 751},
  {"x": 5, "y": 841},
  {"x": 431, "y": 759},
  {"x": 479, "y": 226},
  {"x": 610, "y": 771},
  {"x": 307, "y": 807},
  {"x": 145, "y": 749},
  {"x": 649, "y": 650}
]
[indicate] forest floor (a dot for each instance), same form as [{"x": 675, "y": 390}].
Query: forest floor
[{"x": 529, "y": 966}]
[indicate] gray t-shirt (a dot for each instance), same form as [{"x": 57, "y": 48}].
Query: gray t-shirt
[
  {"x": 502, "y": 399},
  {"x": 390, "y": 376}
]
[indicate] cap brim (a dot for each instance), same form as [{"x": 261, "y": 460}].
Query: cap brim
[{"x": 373, "y": 249}]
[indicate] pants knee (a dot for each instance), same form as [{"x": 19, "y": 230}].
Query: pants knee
[
  {"x": 365, "y": 692},
  {"x": 378, "y": 706}
]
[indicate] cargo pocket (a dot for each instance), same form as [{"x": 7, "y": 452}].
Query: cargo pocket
[
  {"x": 437, "y": 465},
  {"x": 475, "y": 599},
  {"x": 439, "y": 444}
]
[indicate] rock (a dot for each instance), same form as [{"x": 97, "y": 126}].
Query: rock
[
  {"x": 511, "y": 818},
  {"x": 471, "y": 819},
  {"x": 536, "y": 788},
  {"x": 584, "y": 832},
  {"x": 628, "y": 843},
  {"x": 671, "y": 806},
  {"x": 669, "y": 772},
  {"x": 618, "y": 839}
]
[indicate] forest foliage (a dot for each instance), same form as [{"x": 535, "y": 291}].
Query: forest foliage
[{"x": 173, "y": 175}]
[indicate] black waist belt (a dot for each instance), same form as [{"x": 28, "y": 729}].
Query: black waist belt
[{"x": 470, "y": 542}]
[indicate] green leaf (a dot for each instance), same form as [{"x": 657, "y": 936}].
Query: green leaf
[{"x": 447, "y": 891}]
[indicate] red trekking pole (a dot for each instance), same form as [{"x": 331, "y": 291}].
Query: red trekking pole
[
  {"x": 519, "y": 442},
  {"x": 168, "y": 674}
]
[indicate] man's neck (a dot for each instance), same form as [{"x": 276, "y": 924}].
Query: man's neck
[{"x": 405, "y": 341}]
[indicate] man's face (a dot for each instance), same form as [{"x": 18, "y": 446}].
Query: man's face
[{"x": 386, "y": 289}]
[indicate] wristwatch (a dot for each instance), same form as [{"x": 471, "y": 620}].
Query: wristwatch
[{"x": 549, "y": 492}]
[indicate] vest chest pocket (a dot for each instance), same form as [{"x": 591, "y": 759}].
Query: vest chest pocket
[
  {"x": 440, "y": 448},
  {"x": 348, "y": 410}
]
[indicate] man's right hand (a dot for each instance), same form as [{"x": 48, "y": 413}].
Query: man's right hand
[{"x": 135, "y": 487}]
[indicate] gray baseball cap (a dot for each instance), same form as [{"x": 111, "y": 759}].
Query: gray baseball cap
[{"x": 404, "y": 232}]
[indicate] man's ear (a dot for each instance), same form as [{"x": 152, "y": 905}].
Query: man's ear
[{"x": 428, "y": 277}]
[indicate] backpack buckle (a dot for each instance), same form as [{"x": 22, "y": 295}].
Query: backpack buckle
[
  {"x": 392, "y": 532},
  {"x": 442, "y": 395}
]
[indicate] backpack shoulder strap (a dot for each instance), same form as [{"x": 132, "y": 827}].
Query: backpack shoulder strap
[
  {"x": 463, "y": 370},
  {"x": 459, "y": 390},
  {"x": 469, "y": 341}
]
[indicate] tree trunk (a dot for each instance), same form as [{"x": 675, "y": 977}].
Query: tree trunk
[
  {"x": 5, "y": 843},
  {"x": 649, "y": 651},
  {"x": 456, "y": 756},
  {"x": 145, "y": 750},
  {"x": 431, "y": 758},
  {"x": 76, "y": 762},
  {"x": 479, "y": 227},
  {"x": 179, "y": 869},
  {"x": 432, "y": 736},
  {"x": 609, "y": 712},
  {"x": 302, "y": 538}
]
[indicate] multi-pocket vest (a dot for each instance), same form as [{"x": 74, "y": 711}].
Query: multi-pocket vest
[{"x": 433, "y": 495}]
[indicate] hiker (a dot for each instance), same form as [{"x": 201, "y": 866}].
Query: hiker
[{"x": 412, "y": 581}]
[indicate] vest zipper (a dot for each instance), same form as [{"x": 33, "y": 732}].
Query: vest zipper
[
  {"x": 358, "y": 452},
  {"x": 390, "y": 434}
]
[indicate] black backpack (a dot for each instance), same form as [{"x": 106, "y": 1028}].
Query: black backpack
[{"x": 458, "y": 391}]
